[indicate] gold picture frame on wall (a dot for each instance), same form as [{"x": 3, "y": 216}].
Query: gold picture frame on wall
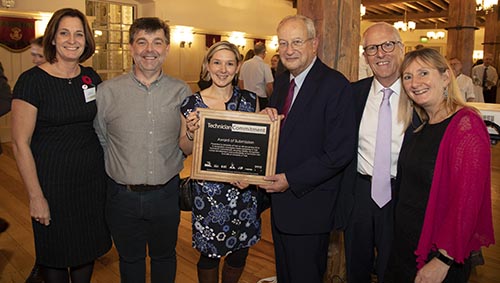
[{"x": 235, "y": 146}]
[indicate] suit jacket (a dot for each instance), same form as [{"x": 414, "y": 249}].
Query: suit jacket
[{"x": 316, "y": 144}]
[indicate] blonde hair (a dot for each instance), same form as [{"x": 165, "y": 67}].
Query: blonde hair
[
  {"x": 221, "y": 45},
  {"x": 452, "y": 102}
]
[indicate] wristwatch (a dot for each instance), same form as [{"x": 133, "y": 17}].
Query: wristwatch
[{"x": 444, "y": 259}]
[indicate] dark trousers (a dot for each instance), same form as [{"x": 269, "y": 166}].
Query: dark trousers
[
  {"x": 490, "y": 95},
  {"x": 144, "y": 220},
  {"x": 370, "y": 228},
  {"x": 300, "y": 258}
]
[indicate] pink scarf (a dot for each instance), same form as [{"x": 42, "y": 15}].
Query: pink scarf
[{"x": 458, "y": 214}]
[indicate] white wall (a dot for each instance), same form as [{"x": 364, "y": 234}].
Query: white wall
[{"x": 255, "y": 17}]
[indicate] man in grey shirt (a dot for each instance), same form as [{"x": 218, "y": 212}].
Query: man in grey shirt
[{"x": 138, "y": 124}]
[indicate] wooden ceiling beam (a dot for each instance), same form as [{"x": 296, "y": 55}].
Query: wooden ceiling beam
[
  {"x": 427, "y": 5},
  {"x": 414, "y": 7},
  {"x": 409, "y": 17},
  {"x": 381, "y": 2},
  {"x": 440, "y": 3}
]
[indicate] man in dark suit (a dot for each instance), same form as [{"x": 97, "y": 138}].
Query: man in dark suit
[
  {"x": 317, "y": 141},
  {"x": 371, "y": 225}
]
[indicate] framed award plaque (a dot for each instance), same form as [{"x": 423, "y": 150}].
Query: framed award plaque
[{"x": 234, "y": 146}]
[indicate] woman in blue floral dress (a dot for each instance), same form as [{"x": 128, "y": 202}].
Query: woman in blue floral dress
[{"x": 225, "y": 218}]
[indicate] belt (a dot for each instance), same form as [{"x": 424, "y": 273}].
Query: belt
[
  {"x": 369, "y": 178},
  {"x": 144, "y": 188},
  {"x": 365, "y": 177}
]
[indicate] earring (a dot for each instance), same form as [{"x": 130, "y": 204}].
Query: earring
[{"x": 445, "y": 92}]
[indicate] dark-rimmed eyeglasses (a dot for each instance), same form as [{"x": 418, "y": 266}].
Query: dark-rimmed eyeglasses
[
  {"x": 387, "y": 47},
  {"x": 296, "y": 43}
]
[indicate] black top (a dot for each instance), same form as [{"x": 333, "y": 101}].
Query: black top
[{"x": 416, "y": 170}]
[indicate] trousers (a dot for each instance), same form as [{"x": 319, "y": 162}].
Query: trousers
[{"x": 140, "y": 221}]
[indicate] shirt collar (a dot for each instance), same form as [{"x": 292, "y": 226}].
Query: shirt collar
[
  {"x": 299, "y": 80},
  {"x": 395, "y": 87},
  {"x": 132, "y": 74}
]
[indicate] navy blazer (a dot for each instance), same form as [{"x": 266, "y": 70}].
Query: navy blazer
[{"x": 316, "y": 143}]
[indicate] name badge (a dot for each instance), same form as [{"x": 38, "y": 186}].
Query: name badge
[{"x": 89, "y": 94}]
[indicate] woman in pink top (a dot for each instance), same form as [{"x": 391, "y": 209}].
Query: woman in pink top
[{"x": 443, "y": 209}]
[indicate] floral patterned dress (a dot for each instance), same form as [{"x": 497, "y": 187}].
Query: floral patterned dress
[{"x": 224, "y": 218}]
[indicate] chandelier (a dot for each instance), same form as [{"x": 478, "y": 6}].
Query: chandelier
[
  {"x": 485, "y": 5},
  {"x": 404, "y": 25},
  {"x": 435, "y": 34}
]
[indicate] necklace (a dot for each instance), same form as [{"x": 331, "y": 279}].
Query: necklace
[{"x": 68, "y": 75}]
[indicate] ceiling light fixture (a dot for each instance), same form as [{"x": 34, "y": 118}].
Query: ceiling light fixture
[
  {"x": 404, "y": 25},
  {"x": 485, "y": 5},
  {"x": 436, "y": 34}
]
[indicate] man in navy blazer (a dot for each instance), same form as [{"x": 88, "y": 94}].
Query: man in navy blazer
[
  {"x": 370, "y": 228},
  {"x": 317, "y": 142}
]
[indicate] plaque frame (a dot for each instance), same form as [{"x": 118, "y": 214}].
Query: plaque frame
[{"x": 197, "y": 172}]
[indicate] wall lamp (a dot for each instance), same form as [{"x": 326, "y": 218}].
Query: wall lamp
[
  {"x": 8, "y": 3},
  {"x": 238, "y": 38},
  {"x": 183, "y": 35}
]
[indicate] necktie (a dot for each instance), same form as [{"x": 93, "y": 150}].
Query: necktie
[
  {"x": 485, "y": 77},
  {"x": 381, "y": 178},
  {"x": 288, "y": 101}
]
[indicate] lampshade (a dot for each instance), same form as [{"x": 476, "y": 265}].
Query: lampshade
[{"x": 485, "y": 5}]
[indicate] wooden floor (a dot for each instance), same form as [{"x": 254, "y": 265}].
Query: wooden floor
[{"x": 17, "y": 248}]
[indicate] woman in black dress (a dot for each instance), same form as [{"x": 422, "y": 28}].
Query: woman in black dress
[
  {"x": 443, "y": 208},
  {"x": 58, "y": 153}
]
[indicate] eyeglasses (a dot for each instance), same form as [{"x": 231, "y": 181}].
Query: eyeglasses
[
  {"x": 296, "y": 43},
  {"x": 387, "y": 47}
]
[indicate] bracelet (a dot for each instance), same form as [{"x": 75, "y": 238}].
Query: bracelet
[
  {"x": 444, "y": 259},
  {"x": 189, "y": 137}
]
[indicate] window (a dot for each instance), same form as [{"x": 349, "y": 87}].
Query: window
[{"x": 110, "y": 23}]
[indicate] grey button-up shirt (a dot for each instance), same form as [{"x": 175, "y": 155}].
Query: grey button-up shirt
[{"x": 139, "y": 128}]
